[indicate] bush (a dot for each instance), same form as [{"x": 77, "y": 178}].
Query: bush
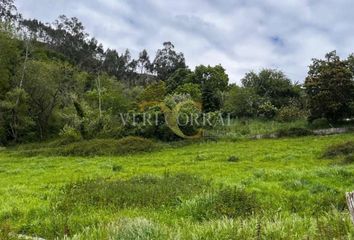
[
  {"x": 289, "y": 114},
  {"x": 241, "y": 102},
  {"x": 320, "y": 123},
  {"x": 135, "y": 144},
  {"x": 192, "y": 89},
  {"x": 294, "y": 132},
  {"x": 145, "y": 191},
  {"x": 267, "y": 110},
  {"x": 69, "y": 135},
  {"x": 226, "y": 202},
  {"x": 343, "y": 149}
]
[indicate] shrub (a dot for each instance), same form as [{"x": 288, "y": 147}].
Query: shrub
[
  {"x": 294, "y": 132},
  {"x": 320, "y": 123},
  {"x": 241, "y": 102},
  {"x": 135, "y": 144},
  {"x": 69, "y": 135},
  {"x": 99, "y": 147},
  {"x": 289, "y": 114},
  {"x": 145, "y": 191},
  {"x": 94, "y": 147},
  {"x": 190, "y": 88},
  {"x": 343, "y": 149},
  {"x": 226, "y": 202},
  {"x": 267, "y": 110}
]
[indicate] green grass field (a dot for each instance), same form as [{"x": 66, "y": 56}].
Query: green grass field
[{"x": 274, "y": 189}]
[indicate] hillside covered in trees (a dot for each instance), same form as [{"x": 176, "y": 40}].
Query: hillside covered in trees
[{"x": 56, "y": 80}]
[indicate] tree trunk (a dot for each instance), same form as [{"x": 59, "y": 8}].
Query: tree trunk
[
  {"x": 25, "y": 63},
  {"x": 98, "y": 83},
  {"x": 350, "y": 202}
]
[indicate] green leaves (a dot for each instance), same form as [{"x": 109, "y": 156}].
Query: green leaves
[{"x": 330, "y": 88}]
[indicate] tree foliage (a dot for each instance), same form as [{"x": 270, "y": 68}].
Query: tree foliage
[
  {"x": 179, "y": 77},
  {"x": 330, "y": 88},
  {"x": 272, "y": 85},
  {"x": 167, "y": 61},
  {"x": 213, "y": 81},
  {"x": 241, "y": 102},
  {"x": 57, "y": 80},
  {"x": 8, "y": 12}
]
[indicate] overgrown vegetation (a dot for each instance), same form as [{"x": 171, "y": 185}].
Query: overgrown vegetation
[
  {"x": 294, "y": 132},
  {"x": 340, "y": 150},
  {"x": 138, "y": 192},
  {"x": 90, "y": 148},
  {"x": 226, "y": 202},
  {"x": 92, "y": 92},
  {"x": 278, "y": 188},
  {"x": 102, "y": 147},
  {"x": 83, "y": 131}
]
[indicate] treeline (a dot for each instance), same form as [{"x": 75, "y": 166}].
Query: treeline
[{"x": 55, "y": 80}]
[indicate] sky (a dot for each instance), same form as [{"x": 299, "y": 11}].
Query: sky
[{"x": 241, "y": 35}]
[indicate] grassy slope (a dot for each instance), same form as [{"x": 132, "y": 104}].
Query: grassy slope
[{"x": 278, "y": 169}]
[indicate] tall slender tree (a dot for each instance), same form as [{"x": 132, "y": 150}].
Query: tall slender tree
[
  {"x": 144, "y": 62},
  {"x": 167, "y": 61}
]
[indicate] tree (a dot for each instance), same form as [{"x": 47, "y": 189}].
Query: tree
[
  {"x": 351, "y": 63},
  {"x": 144, "y": 63},
  {"x": 272, "y": 85},
  {"x": 179, "y": 77},
  {"x": 8, "y": 12},
  {"x": 108, "y": 96},
  {"x": 15, "y": 103},
  {"x": 47, "y": 85},
  {"x": 9, "y": 57},
  {"x": 154, "y": 92},
  {"x": 213, "y": 81},
  {"x": 167, "y": 61},
  {"x": 113, "y": 63},
  {"x": 68, "y": 36},
  {"x": 16, "y": 118},
  {"x": 192, "y": 89},
  {"x": 241, "y": 102},
  {"x": 330, "y": 88}
]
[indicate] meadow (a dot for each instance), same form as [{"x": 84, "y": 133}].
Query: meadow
[
  {"x": 98, "y": 143},
  {"x": 242, "y": 189}
]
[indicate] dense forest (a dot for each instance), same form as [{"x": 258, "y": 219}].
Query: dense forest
[{"x": 58, "y": 81}]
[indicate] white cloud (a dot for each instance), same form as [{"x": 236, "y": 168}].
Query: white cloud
[{"x": 241, "y": 35}]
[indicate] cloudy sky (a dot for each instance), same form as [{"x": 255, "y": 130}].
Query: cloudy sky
[{"x": 242, "y": 35}]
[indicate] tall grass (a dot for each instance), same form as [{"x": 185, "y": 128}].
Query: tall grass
[
  {"x": 246, "y": 128},
  {"x": 332, "y": 226}
]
